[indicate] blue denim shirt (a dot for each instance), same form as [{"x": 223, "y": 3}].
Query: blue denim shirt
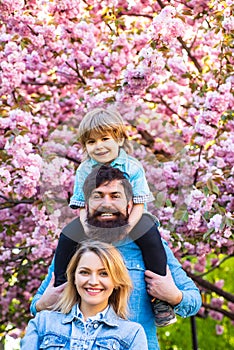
[
  {"x": 132, "y": 169},
  {"x": 140, "y": 302},
  {"x": 55, "y": 330}
]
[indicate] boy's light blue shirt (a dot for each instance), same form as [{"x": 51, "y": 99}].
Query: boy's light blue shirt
[
  {"x": 140, "y": 302},
  {"x": 55, "y": 330},
  {"x": 132, "y": 169}
]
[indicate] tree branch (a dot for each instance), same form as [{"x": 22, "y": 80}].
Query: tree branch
[
  {"x": 193, "y": 59},
  {"x": 76, "y": 69},
  {"x": 169, "y": 107},
  {"x": 209, "y": 286},
  {"x": 121, "y": 13},
  {"x": 216, "y": 266},
  {"x": 47, "y": 83},
  {"x": 222, "y": 311},
  {"x": 197, "y": 170},
  {"x": 10, "y": 203}
]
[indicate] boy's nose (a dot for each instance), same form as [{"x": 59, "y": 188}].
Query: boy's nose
[{"x": 98, "y": 143}]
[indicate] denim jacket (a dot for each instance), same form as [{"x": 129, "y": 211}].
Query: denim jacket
[
  {"x": 140, "y": 302},
  {"x": 132, "y": 169},
  {"x": 53, "y": 330}
]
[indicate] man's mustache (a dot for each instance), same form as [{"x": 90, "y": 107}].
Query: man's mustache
[
  {"x": 108, "y": 231},
  {"x": 104, "y": 210}
]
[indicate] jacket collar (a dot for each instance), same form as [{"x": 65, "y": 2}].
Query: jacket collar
[{"x": 110, "y": 318}]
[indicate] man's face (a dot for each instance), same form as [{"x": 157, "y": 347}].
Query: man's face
[
  {"x": 108, "y": 202},
  {"x": 108, "y": 209}
]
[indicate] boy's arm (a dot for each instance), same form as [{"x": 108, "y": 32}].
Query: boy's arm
[
  {"x": 135, "y": 215},
  {"x": 77, "y": 200},
  {"x": 140, "y": 187}
]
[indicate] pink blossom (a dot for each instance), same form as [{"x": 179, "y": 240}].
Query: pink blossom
[
  {"x": 219, "y": 329},
  {"x": 231, "y": 306},
  {"x": 216, "y": 315},
  {"x": 5, "y": 178},
  {"x": 208, "y": 203},
  {"x": 14, "y": 5},
  {"x": 227, "y": 232},
  {"x": 177, "y": 65},
  {"x": 216, "y": 101},
  {"x": 228, "y": 24},
  {"x": 217, "y": 302},
  {"x": 219, "y": 284},
  {"x": 215, "y": 222},
  {"x": 206, "y": 130}
]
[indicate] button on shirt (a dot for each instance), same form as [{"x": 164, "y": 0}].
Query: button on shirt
[{"x": 90, "y": 328}]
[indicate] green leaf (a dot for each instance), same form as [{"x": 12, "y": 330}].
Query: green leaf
[
  {"x": 181, "y": 213},
  {"x": 160, "y": 199},
  {"x": 168, "y": 203},
  {"x": 213, "y": 188},
  {"x": 207, "y": 233}
]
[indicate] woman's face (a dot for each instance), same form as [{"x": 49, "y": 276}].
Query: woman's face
[{"x": 93, "y": 284}]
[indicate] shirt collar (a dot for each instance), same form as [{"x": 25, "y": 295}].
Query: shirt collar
[
  {"x": 107, "y": 316},
  {"x": 97, "y": 317}
]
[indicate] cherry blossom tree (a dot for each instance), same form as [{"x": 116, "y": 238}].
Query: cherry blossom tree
[{"x": 167, "y": 66}]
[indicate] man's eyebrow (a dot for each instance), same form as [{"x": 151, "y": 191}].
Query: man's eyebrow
[
  {"x": 95, "y": 191},
  {"x": 101, "y": 192}
]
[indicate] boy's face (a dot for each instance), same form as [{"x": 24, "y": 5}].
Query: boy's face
[{"x": 103, "y": 147}]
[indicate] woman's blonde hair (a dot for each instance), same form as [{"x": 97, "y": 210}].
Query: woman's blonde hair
[
  {"x": 103, "y": 121},
  {"x": 114, "y": 265}
]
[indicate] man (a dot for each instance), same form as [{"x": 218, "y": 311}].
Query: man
[{"x": 108, "y": 199}]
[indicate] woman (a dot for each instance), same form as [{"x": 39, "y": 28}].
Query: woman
[{"x": 91, "y": 313}]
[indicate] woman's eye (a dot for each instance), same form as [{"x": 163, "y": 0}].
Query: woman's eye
[
  {"x": 106, "y": 138},
  {"x": 104, "y": 274},
  {"x": 83, "y": 272}
]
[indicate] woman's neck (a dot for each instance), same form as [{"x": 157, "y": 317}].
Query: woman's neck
[{"x": 91, "y": 310}]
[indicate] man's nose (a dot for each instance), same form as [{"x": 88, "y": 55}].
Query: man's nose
[{"x": 107, "y": 201}]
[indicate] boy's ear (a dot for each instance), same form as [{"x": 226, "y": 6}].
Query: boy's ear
[{"x": 121, "y": 142}]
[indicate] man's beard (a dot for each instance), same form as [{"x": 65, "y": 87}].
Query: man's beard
[{"x": 108, "y": 231}]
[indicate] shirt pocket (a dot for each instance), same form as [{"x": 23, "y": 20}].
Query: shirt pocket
[
  {"x": 53, "y": 342},
  {"x": 111, "y": 344}
]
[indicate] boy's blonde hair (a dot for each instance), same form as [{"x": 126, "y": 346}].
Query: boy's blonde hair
[
  {"x": 103, "y": 121},
  {"x": 114, "y": 265}
]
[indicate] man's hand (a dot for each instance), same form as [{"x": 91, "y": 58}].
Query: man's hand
[
  {"x": 163, "y": 287},
  {"x": 50, "y": 296}
]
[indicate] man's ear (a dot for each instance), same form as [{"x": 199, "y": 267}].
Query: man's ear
[{"x": 130, "y": 206}]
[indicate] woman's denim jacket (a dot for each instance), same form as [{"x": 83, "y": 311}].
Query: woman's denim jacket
[
  {"x": 53, "y": 330},
  {"x": 140, "y": 302}
]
